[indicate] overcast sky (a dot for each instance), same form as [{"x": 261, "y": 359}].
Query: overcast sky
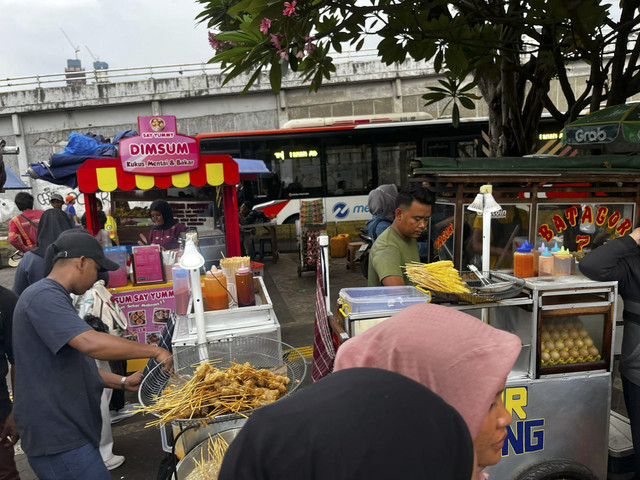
[{"x": 123, "y": 33}]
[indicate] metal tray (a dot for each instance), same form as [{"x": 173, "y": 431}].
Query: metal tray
[
  {"x": 260, "y": 352},
  {"x": 479, "y": 293}
]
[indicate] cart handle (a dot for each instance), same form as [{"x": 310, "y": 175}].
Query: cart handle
[{"x": 428, "y": 292}]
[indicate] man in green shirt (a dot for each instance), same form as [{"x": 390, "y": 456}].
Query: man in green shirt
[{"x": 398, "y": 245}]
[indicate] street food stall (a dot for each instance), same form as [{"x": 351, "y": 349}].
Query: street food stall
[
  {"x": 569, "y": 203},
  {"x": 149, "y": 164},
  {"x": 559, "y": 390}
]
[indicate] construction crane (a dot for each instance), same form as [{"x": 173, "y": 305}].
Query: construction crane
[
  {"x": 76, "y": 48},
  {"x": 97, "y": 59}
]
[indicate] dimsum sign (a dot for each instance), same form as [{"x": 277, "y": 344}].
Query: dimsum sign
[
  {"x": 159, "y": 149},
  {"x": 601, "y": 216}
]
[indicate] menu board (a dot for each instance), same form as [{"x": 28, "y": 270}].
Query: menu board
[
  {"x": 147, "y": 264},
  {"x": 147, "y": 312}
]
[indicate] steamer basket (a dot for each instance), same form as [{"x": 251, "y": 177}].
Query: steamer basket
[{"x": 260, "y": 352}]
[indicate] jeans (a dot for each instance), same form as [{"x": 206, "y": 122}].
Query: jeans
[
  {"x": 631, "y": 393},
  {"x": 81, "y": 463}
]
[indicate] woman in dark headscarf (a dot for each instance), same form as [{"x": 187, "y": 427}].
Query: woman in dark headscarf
[
  {"x": 349, "y": 426},
  {"x": 167, "y": 229},
  {"x": 31, "y": 267}
]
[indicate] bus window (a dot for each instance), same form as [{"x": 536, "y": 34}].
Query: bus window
[
  {"x": 393, "y": 162},
  {"x": 299, "y": 169},
  {"x": 349, "y": 169}
]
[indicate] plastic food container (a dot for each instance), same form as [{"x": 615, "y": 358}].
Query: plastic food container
[
  {"x": 119, "y": 255},
  {"x": 372, "y": 299}
]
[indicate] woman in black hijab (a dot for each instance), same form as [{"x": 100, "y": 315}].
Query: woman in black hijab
[
  {"x": 356, "y": 424},
  {"x": 31, "y": 268},
  {"x": 166, "y": 230}
]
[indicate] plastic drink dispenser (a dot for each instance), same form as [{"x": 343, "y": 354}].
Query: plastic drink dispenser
[
  {"x": 546, "y": 263},
  {"x": 523, "y": 261},
  {"x": 562, "y": 262},
  {"x": 180, "y": 289},
  {"x": 244, "y": 287},
  {"x": 215, "y": 290}
]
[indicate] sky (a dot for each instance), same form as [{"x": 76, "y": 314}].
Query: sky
[{"x": 123, "y": 33}]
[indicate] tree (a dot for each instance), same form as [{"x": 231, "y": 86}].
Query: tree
[{"x": 510, "y": 50}]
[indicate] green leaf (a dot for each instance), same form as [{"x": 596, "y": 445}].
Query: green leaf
[
  {"x": 467, "y": 103},
  {"x": 275, "y": 76},
  {"x": 455, "y": 116},
  {"x": 437, "y": 62}
]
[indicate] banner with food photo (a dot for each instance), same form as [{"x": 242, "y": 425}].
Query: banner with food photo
[{"x": 147, "y": 311}]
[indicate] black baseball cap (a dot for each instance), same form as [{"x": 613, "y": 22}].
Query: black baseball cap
[
  {"x": 76, "y": 243},
  {"x": 56, "y": 196}
]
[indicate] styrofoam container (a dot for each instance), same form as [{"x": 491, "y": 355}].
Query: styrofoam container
[{"x": 373, "y": 299}]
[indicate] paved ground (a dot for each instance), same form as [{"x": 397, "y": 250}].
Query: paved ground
[{"x": 294, "y": 303}]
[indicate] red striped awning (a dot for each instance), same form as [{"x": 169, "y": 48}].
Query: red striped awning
[{"x": 106, "y": 175}]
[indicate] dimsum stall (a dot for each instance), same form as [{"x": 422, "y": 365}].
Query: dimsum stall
[
  {"x": 559, "y": 391},
  {"x": 150, "y": 166}
]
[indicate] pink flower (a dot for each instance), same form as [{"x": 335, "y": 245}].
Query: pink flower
[
  {"x": 300, "y": 54},
  {"x": 284, "y": 55},
  {"x": 289, "y": 8},
  {"x": 275, "y": 39},
  {"x": 216, "y": 44},
  {"x": 309, "y": 46},
  {"x": 265, "y": 25}
]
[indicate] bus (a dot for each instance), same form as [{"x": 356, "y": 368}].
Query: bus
[{"x": 340, "y": 160}]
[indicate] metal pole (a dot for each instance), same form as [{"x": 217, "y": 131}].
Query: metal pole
[{"x": 323, "y": 241}]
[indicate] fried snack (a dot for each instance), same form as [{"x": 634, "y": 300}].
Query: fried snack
[
  {"x": 213, "y": 391},
  {"x": 208, "y": 468},
  {"x": 439, "y": 276}
]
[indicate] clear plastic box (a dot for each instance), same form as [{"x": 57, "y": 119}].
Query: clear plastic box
[{"x": 372, "y": 299}]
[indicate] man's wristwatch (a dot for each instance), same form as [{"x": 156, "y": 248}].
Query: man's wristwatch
[{"x": 122, "y": 385}]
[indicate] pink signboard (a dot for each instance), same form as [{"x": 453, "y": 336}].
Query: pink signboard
[
  {"x": 159, "y": 149},
  {"x": 147, "y": 311}
]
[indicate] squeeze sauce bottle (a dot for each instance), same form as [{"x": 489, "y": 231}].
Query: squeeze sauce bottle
[
  {"x": 523, "y": 261},
  {"x": 215, "y": 290},
  {"x": 536, "y": 257},
  {"x": 244, "y": 287},
  {"x": 545, "y": 263},
  {"x": 562, "y": 262},
  {"x": 555, "y": 249}
]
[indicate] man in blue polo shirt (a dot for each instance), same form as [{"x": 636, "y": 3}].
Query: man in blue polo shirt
[{"x": 58, "y": 386}]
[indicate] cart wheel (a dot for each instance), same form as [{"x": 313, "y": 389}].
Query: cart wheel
[
  {"x": 556, "y": 470},
  {"x": 299, "y": 271}
]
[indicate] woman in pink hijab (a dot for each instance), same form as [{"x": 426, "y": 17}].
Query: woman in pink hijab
[{"x": 455, "y": 355}]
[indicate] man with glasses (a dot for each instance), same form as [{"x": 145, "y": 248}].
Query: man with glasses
[{"x": 397, "y": 245}]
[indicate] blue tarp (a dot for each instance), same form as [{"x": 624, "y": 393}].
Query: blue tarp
[
  {"x": 251, "y": 166},
  {"x": 13, "y": 181}
]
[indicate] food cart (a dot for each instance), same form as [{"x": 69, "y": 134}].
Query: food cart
[
  {"x": 560, "y": 406},
  {"x": 148, "y": 165}
]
